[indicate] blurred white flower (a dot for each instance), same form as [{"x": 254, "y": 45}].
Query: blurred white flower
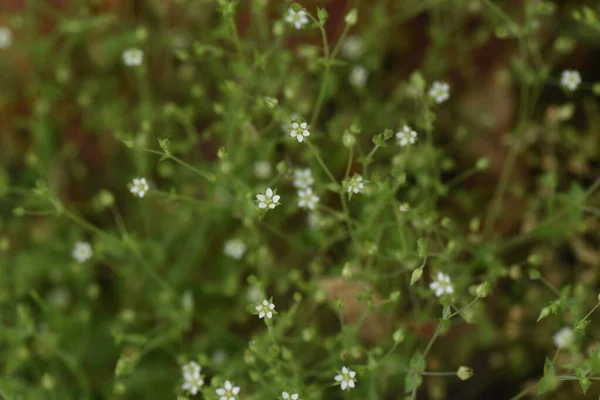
[
  {"x": 297, "y": 18},
  {"x": 439, "y": 91},
  {"x": 303, "y": 178},
  {"x": 353, "y": 47},
  {"x": 133, "y": 57},
  {"x": 307, "y": 199},
  {"x": 192, "y": 380},
  {"x": 406, "y": 136},
  {"x": 570, "y": 79},
  {"x": 356, "y": 184},
  {"x": 346, "y": 379},
  {"x": 82, "y": 252},
  {"x": 139, "y": 187},
  {"x": 404, "y": 207},
  {"x": 358, "y": 76},
  {"x": 441, "y": 285},
  {"x": 235, "y": 248},
  {"x": 5, "y": 37},
  {"x": 262, "y": 169},
  {"x": 564, "y": 338}
]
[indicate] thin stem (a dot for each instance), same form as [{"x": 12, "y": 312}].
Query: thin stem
[
  {"x": 592, "y": 310},
  {"x": 322, "y": 163},
  {"x": 464, "y": 308},
  {"x": 550, "y": 286},
  {"x": 236, "y": 39}
]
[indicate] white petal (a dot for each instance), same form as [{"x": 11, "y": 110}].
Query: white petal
[
  {"x": 261, "y": 315},
  {"x": 300, "y": 138},
  {"x": 303, "y": 125},
  {"x": 295, "y": 125},
  {"x": 258, "y": 308},
  {"x": 260, "y": 197},
  {"x": 235, "y": 390},
  {"x": 352, "y": 374},
  {"x": 220, "y": 391},
  {"x": 295, "y": 396},
  {"x": 344, "y": 385},
  {"x": 269, "y": 315},
  {"x": 262, "y": 205},
  {"x": 344, "y": 370},
  {"x": 227, "y": 385},
  {"x": 272, "y": 306},
  {"x": 276, "y": 198},
  {"x": 338, "y": 378},
  {"x": 272, "y": 206},
  {"x": 449, "y": 289},
  {"x": 306, "y": 133},
  {"x": 265, "y": 302},
  {"x": 351, "y": 384},
  {"x": 285, "y": 395}
]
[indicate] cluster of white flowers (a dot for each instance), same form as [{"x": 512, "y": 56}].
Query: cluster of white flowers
[
  {"x": 303, "y": 181},
  {"x": 82, "y": 252},
  {"x": 139, "y": 187},
  {"x": 406, "y": 136},
  {"x": 297, "y": 18},
  {"x": 439, "y": 91},
  {"x": 269, "y": 200},
  {"x": 266, "y": 309},
  {"x": 235, "y": 248},
  {"x": 133, "y": 57},
  {"x": 228, "y": 392},
  {"x": 570, "y": 79},
  {"x": 564, "y": 338},
  {"x": 5, "y": 37},
  {"x": 192, "y": 380},
  {"x": 299, "y": 130},
  {"x": 346, "y": 379},
  {"x": 355, "y": 184},
  {"x": 441, "y": 285}
]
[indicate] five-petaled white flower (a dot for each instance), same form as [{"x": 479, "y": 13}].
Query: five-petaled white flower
[
  {"x": 192, "y": 380},
  {"x": 235, "y": 248},
  {"x": 439, "y": 91},
  {"x": 356, "y": 184},
  {"x": 133, "y": 57},
  {"x": 299, "y": 131},
  {"x": 82, "y": 252},
  {"x": 139, "y": 187},
  {"x": 268, "y": 200},
  {"x": 353, "y": 47},
  {"x": 266, "y": 308},
  {"x": 297, "y": 18},
  {"x": 564, "y": 338},
  {"x": 346, "y": 378},
  {"x": 406, "y": 136},
  {"x": 303, "y": 178},
  {"x": 307, "y": 199},
  {"x": 441, "y": 285},
  {"x": 287, "y": 396},
  {"x": 570, "y": 79},
  {"x": 228, "y": 391},
  {"x": 5, "y": 37},
  {"x": 358, "y": 76}
]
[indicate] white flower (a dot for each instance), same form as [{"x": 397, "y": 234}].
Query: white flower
[
  {"x": 133, "y": 57},
  {"x": 266, "y": 308},
  {"x": 406, "y": 136},
  {"x": 82, "y": 252},
  {"x": 192, "y": 380},
  {"x": 299, "y": 130},
  {"x": 570, "y": 79},
  {"x": 353, "y": 47},
  {"x": 307, "y": 199},
  {"x": 286, "y": 396},
  {"x": 303, "y": 178},
  {"x": 297, "y": 18},
  {"x": 441, "y": 285},
  {"x": 235, "y": 248},
  {"x": 356, "y": 184},
  {"x": 268, "y": 200},
  {"x": 346, "y": 378},
  {"x": 5, "y": 37},
  {"x": 358, "y": 76},
  {"x": 564, "y": 338},
  {"x": 262, "y": 169},
  {"x": 439, "y": 91},
  {"x": 228, "y": 391},
  {"x": 404, "y": 207},
  {"x": 139, "y": 187}
]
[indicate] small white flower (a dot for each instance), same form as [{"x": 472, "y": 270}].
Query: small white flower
[
  {"x": 303, "y": 178},
  {"x": 358, "y": 76},
  {"x": 297, "y": 18},
  {"x": 353, "y": 47},
  {"x": 266, "y": 308},
  {"x": 262, "y": 169},
  {"x": 139, "y": 187},
  {"x": 347, "y": 378},
  {"x": 307, "y": 199},
  {"x": 286, "y": 396},
  {"x": 192, "y": 380},
  {"x": 235, "y": 248},
  {"x": 441, "y": 285},
  {"x": 133, "y": 57},
  {"x": 82, "y": 252},
  {"x": 564, "y": 338},
  {"x": 5, "y": 37},
  {"x": 269, "y": 200},
  {"x": 356, "y": 184},
  {"x": 404, "y": 207},
  {"x": 228, "y": 391},
  {"x": 299, "y": 131},
  {"x": 570, "y": 79},
  {"x": 439, "y": 91},
  {"x": 406, "y": 136}
]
